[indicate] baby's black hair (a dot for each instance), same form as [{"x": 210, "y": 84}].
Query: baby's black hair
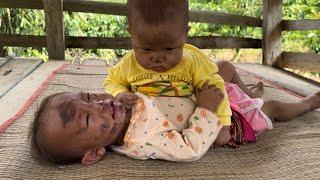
[
  {"x": 37, "y": 148},
  {"x": 157, "y": 11}
]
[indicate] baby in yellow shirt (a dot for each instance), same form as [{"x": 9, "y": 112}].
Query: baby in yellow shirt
[{"x": 161, "y": 63}]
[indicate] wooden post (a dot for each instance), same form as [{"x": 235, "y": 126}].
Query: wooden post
[
  {"x": 2, "y": 51},
  {"x": 271, "y": 40},
  {"x": 54, "y": 29}
]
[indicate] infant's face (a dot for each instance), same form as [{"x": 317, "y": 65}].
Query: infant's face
[
  {"x": 158, "y": 47},
  {"x": 80, "y": 121}
]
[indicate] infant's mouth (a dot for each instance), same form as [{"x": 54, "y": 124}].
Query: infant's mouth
[{"x": 158, "y": 68}]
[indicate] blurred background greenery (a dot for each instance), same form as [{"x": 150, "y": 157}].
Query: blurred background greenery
[{"x": 31, "y": 22}]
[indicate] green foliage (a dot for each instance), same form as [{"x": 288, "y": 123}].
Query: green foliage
[
  {"x": 301, "y": 9},
  {"x": 96, "y": 25},
  {"x": 296, "y": 41},
  {"x": 25, "y": 22}
]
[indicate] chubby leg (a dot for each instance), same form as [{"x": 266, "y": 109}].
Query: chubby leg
[
  {"x": 281, "y": 111},
  {"x": 229, "y": 74}
]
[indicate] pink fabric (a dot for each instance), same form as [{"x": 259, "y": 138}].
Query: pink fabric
[
  {"x": 247, "y": 131},
  {"x": 249, "y": 108}
]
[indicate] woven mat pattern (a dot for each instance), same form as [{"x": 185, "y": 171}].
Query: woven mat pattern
[{"x": 290, "y": 151}]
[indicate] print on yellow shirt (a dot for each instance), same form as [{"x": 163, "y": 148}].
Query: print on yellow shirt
[{"x": 164, "y": 85}]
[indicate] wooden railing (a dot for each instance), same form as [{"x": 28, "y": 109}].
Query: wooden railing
[{"x": 272, "y": 27}]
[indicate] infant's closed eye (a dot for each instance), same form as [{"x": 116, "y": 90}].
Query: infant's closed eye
[
  {"x": 104, "y": 126},
  {"x": 146, "y": 49},
  {"x": 87, "y": 120},
  {"x": 88, "y": 97}
]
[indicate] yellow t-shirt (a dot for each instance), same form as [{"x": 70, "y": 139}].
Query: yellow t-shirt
[{"x": 194, "y": 69}]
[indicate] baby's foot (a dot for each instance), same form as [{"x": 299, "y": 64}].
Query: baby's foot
[
  {"x": 312, "y": 101},
  {"x": 257, "y": 90}
]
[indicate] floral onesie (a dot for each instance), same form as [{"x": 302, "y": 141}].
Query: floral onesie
[{"x": 169, "y": 128}]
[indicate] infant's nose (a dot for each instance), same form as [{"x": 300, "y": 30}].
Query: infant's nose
[{"x": 157, "y": 59}]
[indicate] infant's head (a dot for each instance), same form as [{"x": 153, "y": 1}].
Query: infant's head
[
  {"x": 76, "y": 127},
  {"x": 158, "y": 31}
]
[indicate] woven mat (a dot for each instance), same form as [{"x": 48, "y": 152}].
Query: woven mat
[{"x": 290, "y": 151}]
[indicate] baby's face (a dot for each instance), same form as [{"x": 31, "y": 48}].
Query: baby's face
[
  {"x": 158, "y": 47},
  {"x": 80, "y": 121}
]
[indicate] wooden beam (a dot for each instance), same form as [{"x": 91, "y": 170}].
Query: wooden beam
[
  {"x": 23, "y": 4},
  {"x": 23, "y": 40},
  {"x": 54, "y": 29},
  {"x": 98, "y": 43},
  {"x": 306, "y": 24},
  {"x": 301, "y": 61},
  {"x": 203, "y": 42},
  {"x": 195, "y": 16},
  {"x": 89, "y": 6},
  {"x": 221, "y": 42},
  {"x": 222, "y": 18},
  {"x": 71, "y": 42},
  {"x": 271, "y": 41}
]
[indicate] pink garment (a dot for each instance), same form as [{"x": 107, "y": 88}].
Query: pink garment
[{"x": 249, "y": 108}]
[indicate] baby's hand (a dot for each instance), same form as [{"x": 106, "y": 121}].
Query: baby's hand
[
  {"x": 127, "y": 99},
  {"x": 223, "y": 138},
  {"x": 209, "y": 97}
]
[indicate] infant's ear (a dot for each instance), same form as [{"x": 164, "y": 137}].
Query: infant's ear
[{"x": 92, "y": 156}]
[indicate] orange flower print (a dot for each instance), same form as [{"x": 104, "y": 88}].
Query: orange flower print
[
  {"x": 165, "y": 123},
  {"x": 139, "y": 101},
  {"x": 139, "y": 105},
  {"x": 198, "y": 129},
  {"x": 127, "y": 139},
  {"x": 170, "y": 135},
  {"x": 203, "y": 113},
  {"x": 180, "y": 117}
]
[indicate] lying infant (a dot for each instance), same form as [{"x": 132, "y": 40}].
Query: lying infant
[{"x": 77, "y": 127}]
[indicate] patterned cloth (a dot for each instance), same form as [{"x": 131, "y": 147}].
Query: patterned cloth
[
  {"x": 248, "y": 108},
  {"x": 248, "y": 120},
  {"x": 240, "y": 130},
  {"x": 170, "y": 129}
]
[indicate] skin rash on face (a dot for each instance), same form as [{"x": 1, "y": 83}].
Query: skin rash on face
[
  {"x": 158, "y": 47},
  {"x": 82, "y": 121}
]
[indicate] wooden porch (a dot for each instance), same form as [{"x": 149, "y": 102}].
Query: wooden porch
[
  {"x": 21, "y": 80},
  {"x": 273, "y": 63}
]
